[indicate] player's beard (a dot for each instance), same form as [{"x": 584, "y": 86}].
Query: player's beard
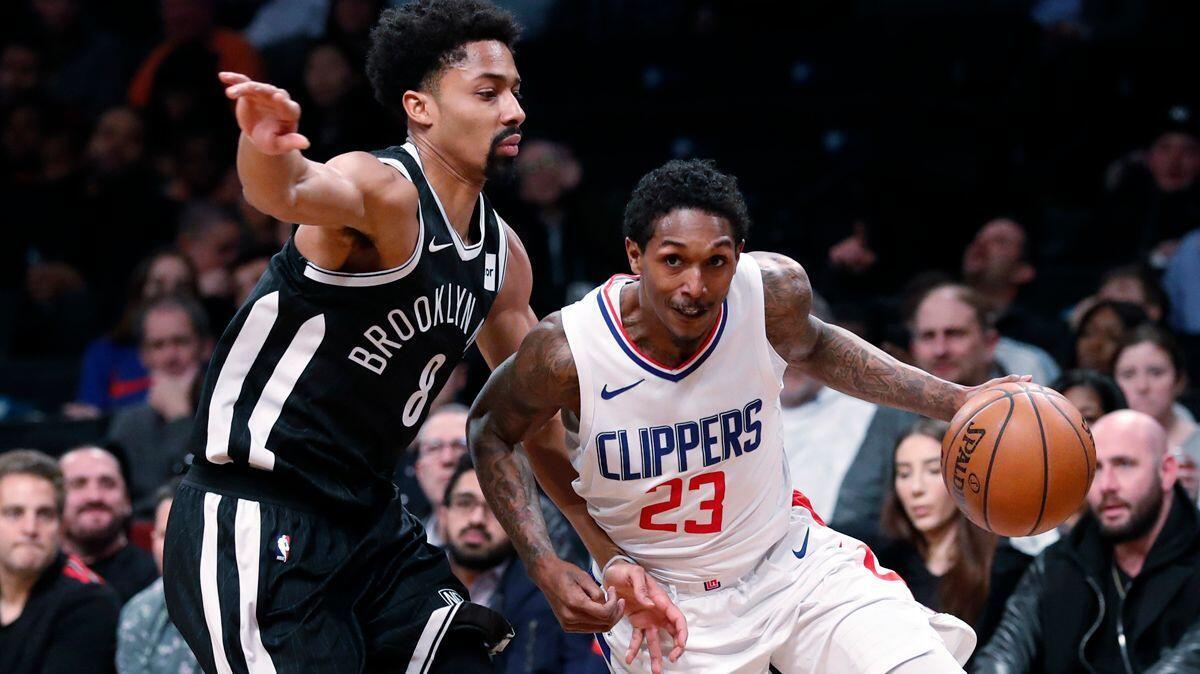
[
  {"x": 479, "y": 560},
  {"x": 501, "y": 170},
  {"x": 1142, "y": 516}
]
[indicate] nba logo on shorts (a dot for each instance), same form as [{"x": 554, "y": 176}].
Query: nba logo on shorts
[
  {"x": 283, "y": 547},
  {"x": 710, "y": 585},
  {"x": 450, "y": 597}
]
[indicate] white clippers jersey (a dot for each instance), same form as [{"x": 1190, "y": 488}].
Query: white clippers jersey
[{"x": 683, "y": 467}]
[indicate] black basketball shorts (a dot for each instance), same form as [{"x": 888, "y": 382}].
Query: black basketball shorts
[{"x": 257, "y": 587}]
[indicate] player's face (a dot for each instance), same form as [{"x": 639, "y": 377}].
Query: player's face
[
  {"x": 443, "y": 440},
  {"x": 1127, "y": 492},
  {"x": 97, "y": 504},
  {"x": 919, "y": 484},
  {"x": 686, "y": 270},
  {"x": 1147, "y": 378},
  {"x": 949, "y": 342},
  {"x": 29, "y": 524},
  {"x": 169, "y": 343},
  {"x": 476, "y": 115},
  {"x": 473, "y": 535},
  {"x": 1087, "y": 401}
]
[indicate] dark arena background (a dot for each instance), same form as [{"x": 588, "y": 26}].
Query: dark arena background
[{"x": 1040, "y": 157}]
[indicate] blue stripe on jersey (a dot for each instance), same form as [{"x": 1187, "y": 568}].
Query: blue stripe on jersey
[{"x": 668, "y": 375}]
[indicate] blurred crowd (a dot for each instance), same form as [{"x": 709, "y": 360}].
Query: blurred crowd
[{"x": 978, "y": 188}]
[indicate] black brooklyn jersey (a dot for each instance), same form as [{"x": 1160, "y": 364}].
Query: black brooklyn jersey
[{"x": 322, "y": 377}]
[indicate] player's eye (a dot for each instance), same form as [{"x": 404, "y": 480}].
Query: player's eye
[
  {"x": 716, "y": 261},
  {"x": 486, "y": 94},
  {"x": 673, "y": 260},
  {"x": 518, "y": 95}
]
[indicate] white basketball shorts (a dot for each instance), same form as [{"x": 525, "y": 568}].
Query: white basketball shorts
[{"x": 817, "y": 602}]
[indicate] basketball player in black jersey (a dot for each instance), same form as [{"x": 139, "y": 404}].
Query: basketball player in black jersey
[{"x": 287, "y": 549}]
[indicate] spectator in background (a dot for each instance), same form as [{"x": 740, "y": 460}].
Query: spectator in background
[
  {"x": 1123, "y": 587},
  {"x": 1149, "y": 368},
  {"x": 340, "y": 113},
  {"x": 824, "y": 430},
  {"x": 95, "y": 517},
  {"x": 951, "y": 565},
  {"x": 191, "y": 22},
  {"x": 248, "y": 268},
  {"x": 211, "y": 239},
  {"x": 112, "y": 375},
  {"x": 1156, "y": 198},
  {"x": 440, "y": 444},
  {"x": 56, "y": 615},
  {"x": 20, "y": 71},
  {"x": 996, "y": 266},
  {"x": 546, "y": 216},
  {"x": 1092, "y": 393},
  {"x": 147, "y": 641},
  {"x": 346, "y": 23},
  {"x": 950, "y": 336},
  {"x": 1182, "y": 281},
  {"x": 83, "y": 64},
  {"x": 1100, "y": 331},
  {"x": 175, "y": 344},
  {"x": 482, "y": 557}
]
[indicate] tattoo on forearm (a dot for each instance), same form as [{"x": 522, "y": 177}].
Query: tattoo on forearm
[
  {"x": 507, "y": 481},
  {"x": 851, "y": 365}
]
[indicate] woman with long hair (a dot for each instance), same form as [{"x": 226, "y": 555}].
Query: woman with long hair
[
  {"x": 1149, "y": 367},
  {"x": 951, "y": 565}
]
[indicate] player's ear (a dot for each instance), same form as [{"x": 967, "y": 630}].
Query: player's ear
[
  {"x": 420, "y": 107},
  {"x": 634, "y": 253}
]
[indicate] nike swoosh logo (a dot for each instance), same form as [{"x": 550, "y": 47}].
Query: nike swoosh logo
[
  {"x": 803, "y": 547},
  {"x": 607, "y": 394},
  {"x": 434, "y": 246}
]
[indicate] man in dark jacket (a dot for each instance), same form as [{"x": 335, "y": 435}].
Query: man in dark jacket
[
  {"x": 1120, "y": 592},
  {"x": 482, "y": 557},
  {"x": 56, "y": 615}
]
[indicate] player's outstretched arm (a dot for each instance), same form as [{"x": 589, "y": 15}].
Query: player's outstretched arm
[
  {"x": 843, "y": 360},
  {"x": 522, "y": 394},
  {"x": 278, "y": 180}
]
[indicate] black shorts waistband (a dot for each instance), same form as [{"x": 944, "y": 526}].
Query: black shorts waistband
[{"x": 253, "y": 484}]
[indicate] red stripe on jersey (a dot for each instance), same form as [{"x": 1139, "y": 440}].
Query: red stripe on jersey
[
  {"x": 75, "y": 568},
  {"x": 869, "y": 562},
  {"x": 801, "y": 501}
]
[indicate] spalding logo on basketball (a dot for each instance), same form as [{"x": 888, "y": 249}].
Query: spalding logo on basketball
[{"x": 1018, "y": 459}]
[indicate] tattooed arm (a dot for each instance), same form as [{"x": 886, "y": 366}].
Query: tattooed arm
[{"x": 842, "y": 360}]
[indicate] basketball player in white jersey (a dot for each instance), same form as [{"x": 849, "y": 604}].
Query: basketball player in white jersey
[{"x": 671, "y": 377}]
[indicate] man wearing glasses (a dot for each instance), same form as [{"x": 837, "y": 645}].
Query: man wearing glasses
[{"x": 440, "y": 444}]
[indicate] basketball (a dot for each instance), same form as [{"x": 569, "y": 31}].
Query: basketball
[{"x": 1018, "y": 459}]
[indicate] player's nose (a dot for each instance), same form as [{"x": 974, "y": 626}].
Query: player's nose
[{"x": 512, "y": 114}]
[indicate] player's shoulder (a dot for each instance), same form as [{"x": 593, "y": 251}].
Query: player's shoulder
[
  {"x": 374, "y": 177},
  {"x": 546, "y": 345},
  {"x": 785, "y": 283}
]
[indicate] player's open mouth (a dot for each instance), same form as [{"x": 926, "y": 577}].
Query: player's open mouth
[{"x": 690, "y": 313}]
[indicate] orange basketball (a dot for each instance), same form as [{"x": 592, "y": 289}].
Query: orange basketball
[{"x": 1018, "y": 459}]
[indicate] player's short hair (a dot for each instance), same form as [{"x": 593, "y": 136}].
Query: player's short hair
[
  {"x": 465, "y": 465},
  {"x": 412, "y": 45},
  {"x": 691, "y": 183},
  {"x": 37, "y": 464}
]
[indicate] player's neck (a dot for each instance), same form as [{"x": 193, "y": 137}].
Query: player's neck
[
  {"x": 1131, "y": 555},
  {"x": 457, "y": 191},
  {"x": 650, "y": 334}
]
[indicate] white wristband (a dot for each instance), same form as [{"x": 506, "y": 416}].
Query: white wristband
[{"x": 616, "y": 558}]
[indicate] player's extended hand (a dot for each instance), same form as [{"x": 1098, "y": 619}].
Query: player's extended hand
[
  {"x": 975, "y": 390},
  {"x": 267, "y": 114},
  {"x": 650, "y": 610},
  {"x": 577, "y": 601}
]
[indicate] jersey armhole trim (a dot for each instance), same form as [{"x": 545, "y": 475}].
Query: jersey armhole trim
[
  {"x": 583, "y": 374},
  {"x": 373, "y": 278}
]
